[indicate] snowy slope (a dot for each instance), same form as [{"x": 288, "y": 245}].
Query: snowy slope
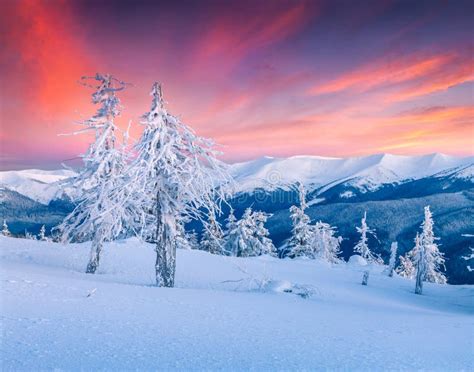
[
  {"x": 38, "y": 185},
  {"x": 366, "y": 173},
  {"x": 225, "y": 314}
]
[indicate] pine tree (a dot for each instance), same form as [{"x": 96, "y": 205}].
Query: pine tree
[
  {"x": 42, "y": 234},
  {"x": 192, "y": 239},
  {"x": 242, "y": 239},
  {"x": 393, "y": 258},
  {"x": 260, "y": 242},
  {"x": 29, "y": 235},
  {"x": 174, "y": 177},
  {"x": 362, "y": 247},
  {"x": 407, "y": 268},
  {"x": 99, "y": 208},
  {"x": 325, "y": 244},
  {"x": 429, "y": 259},
  {"x": 181, "y": 237},
  {"x": 233, "y": 235},
  {"x": 299, "y": 243},
  {"x": 5, "y": 231},
  {"x": 212, "y": 239}
]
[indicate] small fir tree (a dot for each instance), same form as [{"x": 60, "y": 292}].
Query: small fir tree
[
  {"x": 5, "y": 230},
  {"x": 299, "y": 244},
  {"x": 362, "y": 247},
  {"x": 325, "y": 244}
]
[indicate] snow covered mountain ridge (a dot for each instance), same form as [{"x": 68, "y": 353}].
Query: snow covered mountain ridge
[{"x": 366, "y": 173}]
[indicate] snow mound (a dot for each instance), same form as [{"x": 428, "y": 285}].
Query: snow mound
[{"x": 356, "y": 260}]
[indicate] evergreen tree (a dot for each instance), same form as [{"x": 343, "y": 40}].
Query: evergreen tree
[
  {"x": 98, "y": 215},
  {"x": 212, "y": 239},
  {"x": 260, "y": 242},
  {"x": 325, "y": 245},
  {"x": 192, "y": 239},
  {"x": 233, "y": 235},
  {"x": 362, "y": 247},
  {"x": 429, "y": 259},
  {"x": 42, "y": 234},
  {"x": 299, "y": 243},
  {"x": 5, "y": 231},
  {"x": 175, "y": 176},
  {"x": 407, "y": 268},
  {"x": 242, "y": 243}
]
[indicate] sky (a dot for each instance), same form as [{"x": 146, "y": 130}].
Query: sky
[{"x": 262, "y": 78}]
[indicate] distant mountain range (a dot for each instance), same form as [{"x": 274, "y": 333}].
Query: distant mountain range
[{"x": 392, "y": 189}]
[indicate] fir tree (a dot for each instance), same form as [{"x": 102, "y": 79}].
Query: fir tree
[
  {"x": 407, "y": 268},
  {"x": 212, "y": 239},
  {"x": 362, "y": 247},
  {"x": 175, "y": 176},
  {"x": 299, "y": 243},
  {"x": 428, "y": 259},
  {"x": 232, "y": 235},
  {"x": 98, "y": 215},
  {"x": 260, "y": 242},
  {"x": 5, "y": 231},
  {"x": 243, "y": 235},
  {"x": 325, "y": 244},
  {"x": 42, "y": 234},
  {"x": 192, "y": 239}
]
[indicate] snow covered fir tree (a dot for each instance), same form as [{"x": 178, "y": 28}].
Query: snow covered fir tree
[
  {"x": 98, "y": 215},
  {"x": 5, "y": 230},
  {"x": 299, "y": 242},
  {"x": 428, "y": 259},
  {"x": 362, "y": 246},
  {"x": 212, "y": 240},
  {"x": 175, "y": 176}
]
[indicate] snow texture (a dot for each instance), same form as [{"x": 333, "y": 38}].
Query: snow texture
[{"x": 227, "y": 313}]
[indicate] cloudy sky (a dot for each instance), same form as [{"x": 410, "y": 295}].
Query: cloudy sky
[{"x": 278, "y": 78}]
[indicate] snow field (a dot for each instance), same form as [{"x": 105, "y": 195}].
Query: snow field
[{"x": 225, "y": 313}]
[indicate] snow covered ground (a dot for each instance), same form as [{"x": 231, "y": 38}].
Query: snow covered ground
[{"x": 226, "y": 313}]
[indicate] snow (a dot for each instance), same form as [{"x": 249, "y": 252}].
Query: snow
[
  {"x": 364, "y": 173},
  {"x": 225, "y": 313},
  {"x": 39, "y": 185},
  {"x": 357, "y": 260}
]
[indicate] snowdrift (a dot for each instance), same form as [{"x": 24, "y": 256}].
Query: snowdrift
[{"x": 226, "y": 313}]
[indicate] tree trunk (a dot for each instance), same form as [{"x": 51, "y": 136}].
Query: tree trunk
[
  {"x": 165, "y": 265},
  {"x": 419, "y": 281},
  {"x": 365, "y": 278},
  {"x": 95, "y": 257},
  {"x": 390, "y": 272},
  {"x": 420, "y": 272}
]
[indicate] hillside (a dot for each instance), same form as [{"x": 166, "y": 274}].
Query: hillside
[{"x": 225, "y": 313}]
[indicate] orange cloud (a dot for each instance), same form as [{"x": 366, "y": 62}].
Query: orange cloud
[{"x": 410, "y": 77}]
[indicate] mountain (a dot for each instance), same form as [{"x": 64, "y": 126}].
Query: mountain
[
  {"x": 392, "y": 189},
  {"x": 39, "y": 185},
  {"x": 365, "y": 174}
]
